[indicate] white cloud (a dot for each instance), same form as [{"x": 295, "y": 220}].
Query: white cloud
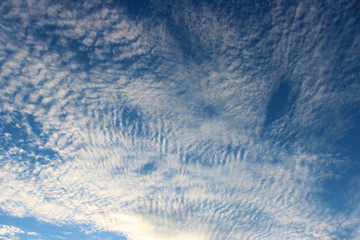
[
  {"x": 10, "y": 230},
  {"x": 214, "y": 175}
]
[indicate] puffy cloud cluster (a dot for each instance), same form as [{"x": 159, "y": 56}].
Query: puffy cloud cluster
[
  {"x": 155, "y": 127},
  {"x": 12, "y": 232}
]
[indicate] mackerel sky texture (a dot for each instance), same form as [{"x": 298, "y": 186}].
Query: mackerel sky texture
[{"x": 179, "y": 120}]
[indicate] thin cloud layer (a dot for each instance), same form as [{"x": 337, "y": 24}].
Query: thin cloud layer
[{"x": 160, "y": 127}]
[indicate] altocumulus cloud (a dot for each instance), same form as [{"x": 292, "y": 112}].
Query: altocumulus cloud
[
  {"x": 179, "y": 120},
  {"x": 12, "y": 232}
]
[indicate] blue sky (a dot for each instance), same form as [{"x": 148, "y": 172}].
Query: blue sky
[{"x": 151, "y": 120}]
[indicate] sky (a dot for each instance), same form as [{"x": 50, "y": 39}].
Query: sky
[{"x": 180, "y": 120}]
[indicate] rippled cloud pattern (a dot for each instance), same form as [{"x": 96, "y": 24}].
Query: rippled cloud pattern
[{"x": 180, "y": 120}]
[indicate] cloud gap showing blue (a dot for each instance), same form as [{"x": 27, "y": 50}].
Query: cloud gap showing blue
[{"x": 54, "y": 231}]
